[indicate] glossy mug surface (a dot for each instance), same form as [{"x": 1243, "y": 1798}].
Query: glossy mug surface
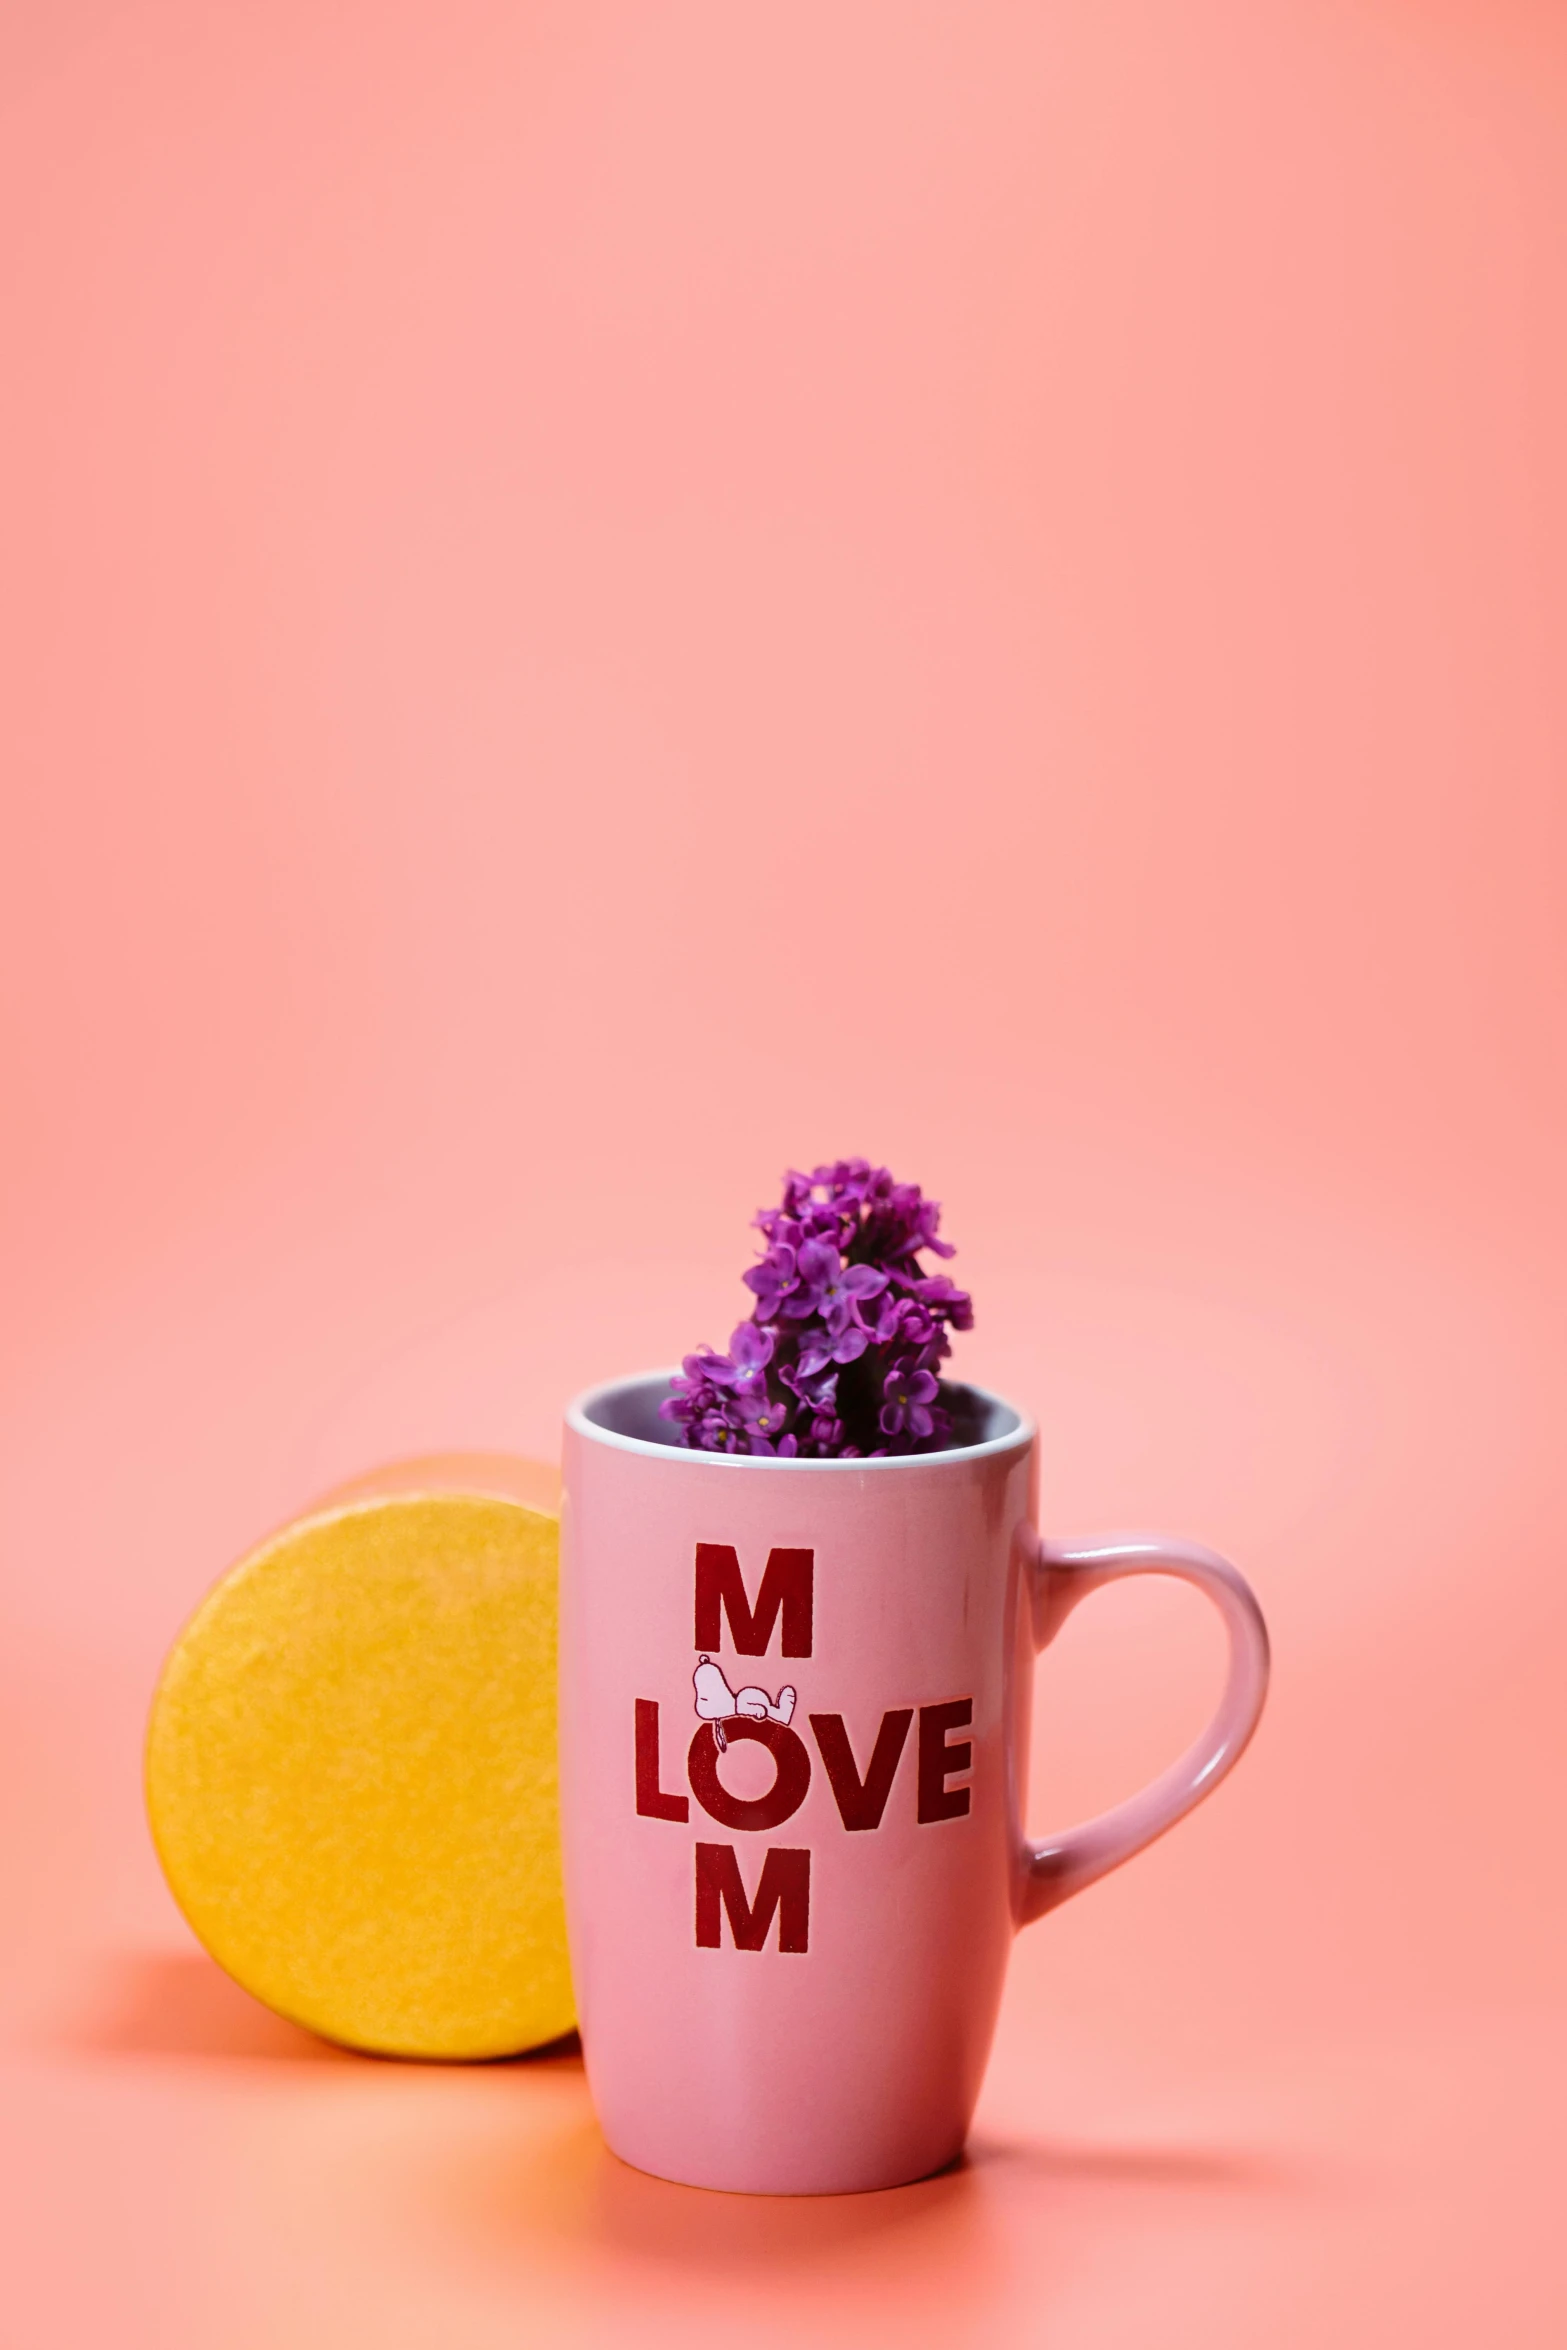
[{"x": 794, "y": 1712}]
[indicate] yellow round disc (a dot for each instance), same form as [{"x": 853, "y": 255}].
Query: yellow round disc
[{"x": 351, "y": 1768}]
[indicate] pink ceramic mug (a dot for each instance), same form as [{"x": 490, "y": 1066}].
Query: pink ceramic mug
[{"x": 794, "y": 1718}]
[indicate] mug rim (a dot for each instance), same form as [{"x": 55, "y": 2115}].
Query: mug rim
[{"x": 578, "y": 1419}]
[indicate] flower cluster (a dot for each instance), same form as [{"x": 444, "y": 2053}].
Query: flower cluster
[{"x": 839, "y": 1359}]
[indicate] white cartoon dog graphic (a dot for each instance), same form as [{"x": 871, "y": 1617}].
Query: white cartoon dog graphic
[{"x": 717, "y": 1703}]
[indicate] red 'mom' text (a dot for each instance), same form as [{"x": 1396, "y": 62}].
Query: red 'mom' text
[
  {"x": 784, "y": 1886},
  {"x": 786, "y": 1589}
]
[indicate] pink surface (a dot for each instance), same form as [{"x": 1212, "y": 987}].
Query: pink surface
[{"x": 596, "y": 600}]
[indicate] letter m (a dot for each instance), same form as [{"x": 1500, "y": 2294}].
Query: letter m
[
  {"x": 784, "y": 1886},
  {"x": 786, "y": 1586}
]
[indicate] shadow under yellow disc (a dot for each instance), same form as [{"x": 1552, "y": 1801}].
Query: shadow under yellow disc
[{"x": 351, "y": 1770}]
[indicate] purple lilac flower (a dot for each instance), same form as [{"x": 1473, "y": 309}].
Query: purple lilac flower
[
  {"x": 910, "y": 1391},
  {"x": 750, "y": 1349},
  {"x": 841, "y": 1355},
  {"x": 831, "y": 1288}
]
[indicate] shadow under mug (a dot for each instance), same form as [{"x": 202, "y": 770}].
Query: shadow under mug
[{"x": 795, "y": 1700}]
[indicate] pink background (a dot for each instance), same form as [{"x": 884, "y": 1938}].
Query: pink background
[{"x": 597, "y": 599}]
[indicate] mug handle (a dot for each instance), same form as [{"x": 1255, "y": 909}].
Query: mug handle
[{"x": 1055, "y": 1870}]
